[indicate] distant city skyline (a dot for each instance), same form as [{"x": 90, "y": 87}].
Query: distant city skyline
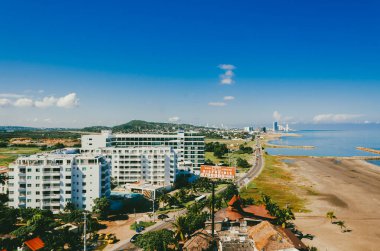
[{"x": 71, "y": 64}]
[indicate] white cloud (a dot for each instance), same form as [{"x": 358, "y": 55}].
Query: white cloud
[
  {"x": 46, "y": 102},
  {"x": 335, "y": 118},
  {"x": 23, "y": 102},
  {"x": 227, "y": 67},
  {"x": 277, "y": 116},
  {"x": 227, "y": 77},
  {"x": 229, "y": 98},
  {"x": 68, "y": 101},
  {"x": 11, "y": 95},
  {"x": 19, "y": 100},
  {"x": 4, "y": 102},
  {"x": 217, "y": 104},
  {"x": 174, "y": 119},
  {"x": 226, "y": 81}
]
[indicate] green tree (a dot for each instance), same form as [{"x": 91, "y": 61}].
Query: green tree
[
  {"x": 3, "y": 178},
  {"x": 330, "y": 215},
  {"x": 229, "y": 192},
  {"x": 101, "y": 207},
  {"x": 8, "y": 219},
  {"x": 156, "y": 240},
  {"x": 242, "y": 163},
  {"x": 164, "y": 199},
  {"x": 180, "y": 228},
  {"x": 58, "y": 146},
  {"x": 181, "y": 195},
  {"x": 342, "y": 225}
]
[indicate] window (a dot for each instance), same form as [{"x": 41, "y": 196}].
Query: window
[
  {"x": 37, "y": 169},
  {"x": 68, "y": 169},
  {"x": 29, "y": 193},
  {"x": 29, "y": 185},
  {"x": 37, "y": 177},
  {"x": 68, "y": 192},
  {"x": 28, "y": 177},
  {"x": 38, "y": 192},
  {"x": 37, "y": 185}
]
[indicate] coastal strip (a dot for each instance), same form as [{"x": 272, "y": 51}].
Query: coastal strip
[
  {"x": 370, "y": 150},
  {"x": 288, "y": 146},
  {"x": 275, "y": 136}
]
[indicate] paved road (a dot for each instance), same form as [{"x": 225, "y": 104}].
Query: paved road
[
  {"x": 242, "y": 181},
  {"x": 255, "y": 170}
]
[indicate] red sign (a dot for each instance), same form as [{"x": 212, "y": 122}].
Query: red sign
[{"x": 218, "y": 172}]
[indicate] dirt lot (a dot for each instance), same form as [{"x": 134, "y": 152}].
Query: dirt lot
[{"x": 350, "y": 188}]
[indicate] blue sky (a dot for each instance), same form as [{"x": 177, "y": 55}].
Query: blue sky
[{"x": 79, "y": 63}]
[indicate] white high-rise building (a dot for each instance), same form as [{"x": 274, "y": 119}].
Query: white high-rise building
[
  {"x": 189, "y": 146},
  {"x": 50, "y": 181},
  {"x": 156, "y": 165}
]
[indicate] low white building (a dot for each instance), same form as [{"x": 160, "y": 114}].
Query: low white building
[
  {"x": 156, "y": 165},
  {"x": 50, "y": 181}
]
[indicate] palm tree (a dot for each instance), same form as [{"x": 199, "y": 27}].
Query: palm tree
[
  {"x": 342, "y": 225},
  {"x": 165, "y": 198},
  {"x": 330, "y": 215},
  {"x": 3, "y": 179},
  {"x": 36, "y": 217},
  {"x": 180, "y": 226}
]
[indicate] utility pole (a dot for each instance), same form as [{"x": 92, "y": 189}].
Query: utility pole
[
  {"x": 84, "y": 232},
  {"x": 212, "y": 209},
  {"x": 154, "y": 197}
]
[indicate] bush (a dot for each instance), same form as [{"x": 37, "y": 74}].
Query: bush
[{"x": 242, "y": 163}]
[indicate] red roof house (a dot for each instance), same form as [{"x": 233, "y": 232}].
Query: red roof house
[{"x": 35, "y": 244}]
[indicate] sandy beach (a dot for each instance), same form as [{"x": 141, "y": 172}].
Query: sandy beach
[{"x": 350, "y": 188}]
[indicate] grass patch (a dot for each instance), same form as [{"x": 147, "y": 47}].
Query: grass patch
[
  {"x": 10, "y": 154},
  {"x": 215, "y": 160},
  {"x": 144, "y": 224},
  {"x": 277, "y": 183}
]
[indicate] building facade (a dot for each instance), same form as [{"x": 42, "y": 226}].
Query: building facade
[
  {"x": 155, "y": 165},
  {"x": 189, "y": 146},
  {"x": 50, "y": 181}
]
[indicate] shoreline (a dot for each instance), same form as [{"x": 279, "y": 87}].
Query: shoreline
[
  {"x": 366, "y": 149},
  {"x": 276, "y": 136},
  {"x": 364, "y": 158},
  {"x": 349, "y": 187}
]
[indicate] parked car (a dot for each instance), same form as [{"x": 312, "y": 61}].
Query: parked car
[
  {"x": 162, "y": 216},
  {"x": 134, "y": 238}
]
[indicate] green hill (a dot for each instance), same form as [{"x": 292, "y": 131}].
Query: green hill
[{"x": 144, "y": 126}]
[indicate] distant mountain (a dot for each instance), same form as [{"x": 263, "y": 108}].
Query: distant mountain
[
  {"x": 96, "y": 128},
  {"x": 17, "y": 128},
  {"x": 133, "y": 126},
  {"x": 144, "y": 126}
]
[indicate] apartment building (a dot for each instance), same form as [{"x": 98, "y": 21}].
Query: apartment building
[
  {"x": 189, "y": 146},
  {"x": 50, "y": 181},
  {"x": 156, "y": 165}
]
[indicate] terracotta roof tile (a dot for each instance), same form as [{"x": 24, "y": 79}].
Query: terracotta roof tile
[
  {"x": 35, "y": 244},
  {"x": 258, "y": 210}
]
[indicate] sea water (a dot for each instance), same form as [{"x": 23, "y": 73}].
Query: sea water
[{"x": 332, "y": 140}]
